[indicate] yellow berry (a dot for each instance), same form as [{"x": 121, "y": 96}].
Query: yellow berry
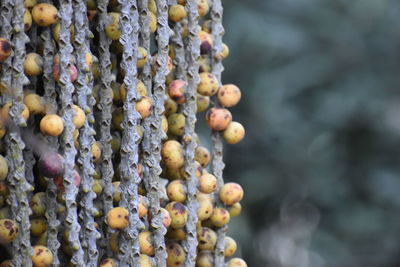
[
  {"x": 146, "y": 243},
  {"x": 52, "y": 125},
  {"x": 145, "y": 261},
  {"x": 205, "y": 259},
  {"x": 3, "y": 168},
  {"x": 205, "y": 210},
  {"x": 176, "y": 124},
  {"x": 208, "y": 84},
  {"x": 38, "y": 227},
  {"x": 34, "y": 103},
  {"x": 202, "y": 102},
  {"x": 42, "y": 256},
  {"x": 141, "y": 61},
  {"x": 202, "y": 155},
  {"x": 118, "y": 218},
  {"x": 220, "y": 217},
  {"x": 96, "y": 152},
  {"x": 176, "y": 254},
  {"x": 234, "y": 133},
  {"x": 207, "y": 239},
  {"x": 79, "y": 116},
  {"x": 230, "y": 246},
  {"x": 44, "y": 14},
  {"x": 178, "y": 213},
  {"x": 109, "y": 262},
  {"x": 172, "y": 154},
  {"x": 231, "y": 193},
  {"x": 27, "y": 20},
  {"x": 236, "y": 262},
  {"x": 203, "y": 7},
  {"x": 229, "y": 95},
  {"x": 112, "y": 30},
  {"x": 8, "y": 231},
  {"x": 144, "y": 106},
  {"x": 177, "y": 13},
  {"x": 207, "y": 183},
  {"x": 176, "y": 191},
  {"x": 153, "y": 22},
  {"x": 235, "y": 209}
]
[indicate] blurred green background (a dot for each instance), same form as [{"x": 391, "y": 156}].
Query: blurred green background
[{"x": 321, "y": 106}]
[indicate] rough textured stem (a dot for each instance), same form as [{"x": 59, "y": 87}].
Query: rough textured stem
[
  {"x": 105, "y": 104},
  {"x": 67, "y": 141},
  {"x": 18, "y": 185},
  {"x": 192, "y": 54},
  {"x": 6, "y": 14},
  {"x": 84, "y": 86},
  {"x": 217, "y": 162}
]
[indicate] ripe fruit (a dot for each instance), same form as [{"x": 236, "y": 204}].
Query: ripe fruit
[
  {"x": 35, "y": 104},
  {"x": 234, "y": 133},
  {"x": 229, "y": 95},
  {"x": 207, "y": 183},
  {"x": 5, "y": 49},
  {"x": 206, "y": 42},
  {"x": 202, "y": 7},
  {"x": 231, "y": 193},
  {"x": 166, "y": 217},
  {"x": 205, "y": 259},
  {"x": 33, "y": 64},
  {"x": 176, "y": 254},
  {"x": 236, "y": 262},
  {"x": 144, "y": 106},
  {"x": 3, "y": 168},
  {"x": 79, "y": 116},
  {"x": 230, "y": 246},
  {"x": 142, "y": 207},
  {"x": 207, "y": 239},
  {"x": 118, "y": 218},
  {"x": 218, "y": 119},
  {"x": 220, "y": 217},
  {"x": 42, "y": 256},
  {"x": 109, "y": 262},
  {"x": 72, "y": 70},
  {"x": 27, "y": 20},
  {"x": 178, "y": 213},
  {"x": 44, "y": 14},
  {"x": 205, "y": 210},
  {"x": 208, "y": 84},
  {"x": 5, "y": 110},
  {"x": 146, "y": 243},
  {"x": 52, "y": 125},
  {"x": 51, "y": 164},
  {"x": 57, "y": 29},
  {"x": 176, "y": 191},
  {"x": 172, "y": 154},
  {"x": 145, "y": 261},
  {"x": 202, "y": 155},
  {"x": 176, "y": 91},
  {"x": 177, "y": 13},
  {"x": 170, "y": 107},
  {"x": 8, "y": 231},
  {"x": 176, "y": 124},
  {"x": 153, "y": 22}
]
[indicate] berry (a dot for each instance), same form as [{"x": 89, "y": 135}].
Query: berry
[
  {"x": 218, "y": 119},
  {"x": 51, "y": 164},
  {"x": 208, "y": 84},
  {"x": 44, "y": 14},
  {"x": 231, "y": 193},
  {"x": 5, "y": 49},
  {"x": 176, "y": 124},
  {"x": 177, "y": 13},
  {"x": 234, "y": 133},
  {"x": 229, "y": 95},
  {"x": 176, "y": 91},
  {"x": 109, "y": 262},
  {"x": 35, "y": 104},
  {"x": 202, "y": 155},
  {"x": 176, "y": 254},
  {"x": 172, "y": 154},
  {"x": 220, "y": 217},
  {"x": 118, "y": 218},
  {"x": 176, "y": 191},
  {"x": 3, "y": 168},
  {"x": 8, "y": 231},
  {"x": 236, "y": 262},
  {"x": 230, "y": 246},
  {"x": 146, "y": 243},
  {"x": 42, "y": 256},
  {"x": 207, "y": 183},
  {"x": 79, "y": 116},
  {"x": 207, "y": 239},
  {"x": 178, "y": 213}
]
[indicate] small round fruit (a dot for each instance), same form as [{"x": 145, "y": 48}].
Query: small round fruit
[
  {"x": 176, "y": 91},
  {"x": 176, "y": 234},
  {"x": 172, "y": 154},
  {"x": 72, "y": 71},
  {"x": 231, "y": 193},
  {"x": 57, "y": 29},
  {"x": 52, "y": 124},
  {"x": 220, "y": 217},
  {"x": 109, "y": 262},
  {"x": 235, "y": 209},
  {"x": 206, "y": 42},
  {"x": 27, "y": 20},
  {"x": 176, "y": 191},
  {"x": 144, "y": 106},
  {"x": 96, "y": 152},
  {"x": 143, "y": 206},
  {"x": 3, "y": 168},
  {"x": 205, "y": 210},
  {"x": 207, "y": 183},
  {"x": 145, "y": 261},
  {"x": 166, "y": 217},
  {"x": 218, "y": 119},
  {"x": 177, "y": 13},
  {"x": 205, "y": 259},
  {"x": 113, "y": 30},
  {"x": 202, "y": 102},
  {"x": 118, "y": 218},
  {"x": 143, "y": 57},
  {"x": 8, "y": 231},
  {"x": 153, "y": 22},
  {"x": 33, "y": 64},
  {"x": 236, "y": 262},
  {"x": 146, "y": 243},
  {"x": 42, "y": 256},
  {"x": 114, "y": 242},
  {"x": 38, "y": 227},
  {"x": 5, "y": 110},
  {"x": 30, "y": 3},
  {"x": 234, "y": 133},
  {"x": 207, "y": 239},
  {"x": 44, "y": 14},
  {"x": 170, "y": 106},
  {"x": 230, "y": 246},
  {"x": 38, "y": 204},
  {"x": 51, "y": 164},
  {"x": 79, "y": 117},
  {"x": 164, "y": 124},
  {"x": 176, "y": 124},
  {"x": 208, "y": 84},
  {"x": 178, "y": 213},
  {"x": 176, "y": 254},
  {"x": 5, "y": 49},
  {"x": 229, "y": 95},
  {"x": 203, "y": 7},
  {"x": 35, "y": 104},
  {"x": 202, "y": 155}
]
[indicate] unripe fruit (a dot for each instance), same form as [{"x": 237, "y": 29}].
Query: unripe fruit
[
  {"x": 27, "y": 20},
  {"x": 145, "y": 261},
  {"x": 202, "y": 155},
  {"x": 5, "y": 116},
  {"x": 170, "y": 106},
  {"x": 142, "y": 59},
  {"x": 52, "y": 125},
  {"x": 202, "y": 102},
  {"x": 205, "y": 210},
  {"x": 231, "y": 193},
  {"x": 144, "y": 106},
  {"x": 5, "y": 49},
  {"x": 236, "y": 262},
  {"x": 178, "y": 213},
  {"x": 38, "y": 227},
  {"x": 205, "y": 259},
  {"x": 113, "y": 30},
  {"x": 118, "y": 218},
  {"x": 176, "y": 191},
  {"x": 206, "y": 42},
  {"x": 176, "y": 254},
  {"x": 176, "y": 91},
  {"x": 38, "y": 204},
  {"x": 207, "y": 239},
  {"x": 208, "y": 84},
  {"x": 153, "y": 22},
  {"x": 44, "y": 14},
  {"x": 207, "y": 183},
  {"x": 109, "y": 262},
  {"x": 235, "y": 209},
  {"x": 3, "y": 168},
  {"x": 176, "y": 234},
  {"x": 218, "y": 119},
  {"x": 97, "y": 186},
  {"x": 230, "y": 246},
  {"x": 146, "y": 243},
  {"x": 229, "y": 95},
  {"x": 79, "y": 117},
  {"x": 220, "y": 217},
  {"x": 202, "y": 7},
  {"x": 114, "y": 242},
  {"x": 234, "y": 133},
  {"x": 172, "y": 154},
  {"x": 96, "y": 152},
  {"x": 51, "y": 164},
  {"x": 42, "y": 256},
  {"x": 72, "y": 70},
  {"x": 35, "y": 104},
  {"x": 177, "y": 13},
  {"x": 152, "y": 6},
  {"x": 176, "y": 124},
  {"x": 164, "y": 124},
  {"x": 8, "y": 231}
]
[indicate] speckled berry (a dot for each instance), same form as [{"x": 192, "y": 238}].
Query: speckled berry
[
  {"x": 178, "y": 213},
  {"x": 172, "y": 154},
  {"x": 118, "y": 218},
  {"x": 5, "y": 49},
  {"x": 146, "y": 243},
  {"x": 207, "y": 239},
  {"x": 208, "y": 84},
  {"x": 202, "y": 155},
  {"x": 175, "y": 254},
  {"x": 177, "y": 13},
  {"x": 176, "y": 124},
  {"x": 42, "y": 256},
  {"x": 218, "y": 119},
  {"x": 234, "y": 133},
  {"x": 220, "y": 217},
  {"x": 8, "y": 231},
  {"x": 236, "y": 262},
  {"x": 176, "y": 191},
  {"x": 231, "y": 193},
  {"x": 207, "y": 183},
  {"x": 44, "y": 14},
  {"x": 176, "y": 91},
  {"x": 229, "y": 95}
]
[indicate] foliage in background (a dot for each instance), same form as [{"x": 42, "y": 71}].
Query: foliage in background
[{"x": 321, "y": 106}]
